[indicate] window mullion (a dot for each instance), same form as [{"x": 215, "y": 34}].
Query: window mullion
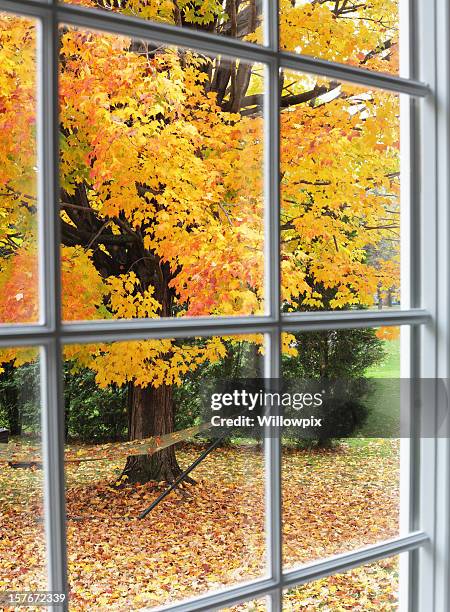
[
  {"x": 92, "y": 331},
  {"x": 273, "y": 286},
  {"x": 275, "y": 601},
  {"x": 442, "y": 453},
  {"x": 426, "y": 509},
  {"x": 51, "y": 374},
  {"x": 159, "y": 32},
  {"x": 348, "y": 560}
]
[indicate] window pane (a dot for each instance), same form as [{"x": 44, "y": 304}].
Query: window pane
[
  {"x": 22, "y": 541},
  {"x": 256, "y": 605},
  {"x": 340, "y": 189},
  {"x": 202, "y": 536},
  {"x": 363, "y": 34},
  {"x": 162, "y": 181},
  {"x": 341, "y": 477},
  {"x": 242, "y": 19},
  {"x": 369, "y": 587},
  {"x": 19, "y": 301}
]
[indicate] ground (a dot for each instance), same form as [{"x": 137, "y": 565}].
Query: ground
[{"x": 334, "y": 500}]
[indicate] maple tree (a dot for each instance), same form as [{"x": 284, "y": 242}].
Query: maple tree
[{"x": 162, "y": 184}]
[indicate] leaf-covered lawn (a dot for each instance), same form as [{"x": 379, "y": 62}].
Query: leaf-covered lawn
[
  {"x": 340, "y": 500},
  {"x": 213, "y": 533},
  {"x": 371, "y": 587}
]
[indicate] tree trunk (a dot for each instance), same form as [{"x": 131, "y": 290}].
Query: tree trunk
[
  {"x": 151, "y": 414},
  {"x": 14, "y": 417},
  {"x": 10, "y": 399}
]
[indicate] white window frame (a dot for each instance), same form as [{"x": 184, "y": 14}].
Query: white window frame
[{"x": 426, "y": 576}]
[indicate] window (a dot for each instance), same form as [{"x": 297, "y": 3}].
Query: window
[{"x": 410, "y": 152}]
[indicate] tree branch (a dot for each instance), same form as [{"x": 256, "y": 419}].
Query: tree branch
[{"x": 256, "y": 101}]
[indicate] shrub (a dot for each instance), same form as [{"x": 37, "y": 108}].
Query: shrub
[
  {"x": 91, "y": 414},
  {"x": 340, "y": 358}
]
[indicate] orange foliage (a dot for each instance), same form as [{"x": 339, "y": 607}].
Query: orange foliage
[{"x": 163, "y": 162}]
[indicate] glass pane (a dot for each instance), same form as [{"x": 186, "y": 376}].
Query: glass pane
[
  {"x": 162, "y": 181},
  {"x": 341, "y": 476},
  {"x": 256, "y": 605},
  {"x": 22, "y": 541},
  {"x": 241, "y": 19},
  {"x": 340, "y": 189},
  {"x": 19, "y": 300},
  {"x": 133, "y": 422},
  {"x": 363, "y": 34},
  {"x": 369, "y": 587}
]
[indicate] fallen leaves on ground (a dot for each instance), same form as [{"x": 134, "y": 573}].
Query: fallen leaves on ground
[
  {"x": 339, "y": 500},
  {"x": 211, "y": 534},
  {"x": 22, "y": 538},
  {"x": 370, "y": 587}
]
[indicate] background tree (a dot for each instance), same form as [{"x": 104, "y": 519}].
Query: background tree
[
  {"x": 340, "y": 359},
  {"x": 19, "y": 399},
  {"x": 162, "y": 184},
  {"x": 11, "y": 417}
]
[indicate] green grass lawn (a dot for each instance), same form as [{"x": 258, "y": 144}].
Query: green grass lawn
[
  {"x": 390, "y": 367},
  {"x": 384, "y": 403}
]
